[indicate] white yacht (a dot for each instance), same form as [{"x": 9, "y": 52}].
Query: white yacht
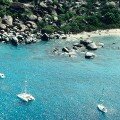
[
  {"x": 102, "y": 108},
  {"x": 2, "y": 75},
  {"x": 25, "y": 96}
]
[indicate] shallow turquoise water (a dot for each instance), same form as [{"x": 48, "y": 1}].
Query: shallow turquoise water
[{"x": 64, "y": 88}]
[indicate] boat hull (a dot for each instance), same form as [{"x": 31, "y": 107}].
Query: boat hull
[
  {"x": 102, "y": 108},
  {"x": 25, "y": 97}
]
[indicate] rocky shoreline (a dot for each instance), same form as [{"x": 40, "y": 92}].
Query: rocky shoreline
[
  {"x": 18, "y": 32},
  {"x": 15, "y": 32}
]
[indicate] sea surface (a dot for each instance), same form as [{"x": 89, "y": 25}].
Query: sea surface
[{"x": 64, "y": 88}]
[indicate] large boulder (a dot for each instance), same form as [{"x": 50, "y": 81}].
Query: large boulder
[
  {"x": 112, "y": 3},
  {"x": 8, "y": 20},
  {"x": 20, "y": 38},
  {"x": 32, "y": 24},
  {"x": 14, "y": 41},
  {"x": 55, "y": 18},
  {"x": 45, "y": 37},
  {"x": 89, "y": 55},
  {"x": 65, "y": 49},
  {"x": 85, "y": 42},
  {"x": 91, "y": 46},
  {"x": 42, "y": 4},
  {"x": 28, "y": 40},
  {"x": 39, "y": 19},
  {"x": 32, "y": 17},
  {"x": 2, "y": 26},
  {"x": 63, "y": 36},
  {"x": 22, "y": 27}
]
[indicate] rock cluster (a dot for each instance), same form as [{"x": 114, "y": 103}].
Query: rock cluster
[{"x": 84, "y": 46}]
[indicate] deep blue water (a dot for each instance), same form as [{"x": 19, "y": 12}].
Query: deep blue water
[{"x": 64, "y": 88}]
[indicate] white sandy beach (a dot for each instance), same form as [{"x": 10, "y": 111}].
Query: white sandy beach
[{"x": 86, "y": 35}]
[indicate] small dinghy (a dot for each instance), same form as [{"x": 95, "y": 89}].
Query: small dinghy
[
  {"x": 2, "y": 75},
  {"x": 25, "y": 96},
  {"x": 102, "y": 108}
]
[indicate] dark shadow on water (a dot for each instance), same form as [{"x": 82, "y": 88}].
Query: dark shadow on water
[
  {"x": 102, "y": 115},
  {"x": 24, "y": 103}
]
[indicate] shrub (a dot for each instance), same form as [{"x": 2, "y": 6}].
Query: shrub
[
  {"x": 66, "y": 28},
  {"x": 49, "y": 29},
  {"x": 6, "y": 2}
]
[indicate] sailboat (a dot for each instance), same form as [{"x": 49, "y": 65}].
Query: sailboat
[
  {"x": 100, "y": 106},
  {"x": 25, "y": 96}
]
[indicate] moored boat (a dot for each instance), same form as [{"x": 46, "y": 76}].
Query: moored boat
[
  {"x": 2, "y": 75},
  {"x": 25, "y": 96}
]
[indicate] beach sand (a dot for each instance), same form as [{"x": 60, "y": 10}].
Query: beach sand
[{"x": 86, "y": 35}]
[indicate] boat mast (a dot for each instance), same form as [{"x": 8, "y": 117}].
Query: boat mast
[
  {"x": 25, "y": 89},
  {"x": 102, "y": 96}
]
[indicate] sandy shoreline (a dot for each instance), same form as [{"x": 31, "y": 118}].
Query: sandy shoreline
[{"x": 85, "y": 35}]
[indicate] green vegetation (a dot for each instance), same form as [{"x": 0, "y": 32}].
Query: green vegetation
[
  {"x": 71, "y": 16},
  {"x": 48, "y": 29}
]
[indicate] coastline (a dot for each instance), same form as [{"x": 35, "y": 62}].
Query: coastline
[
  {"x": 16, "y": 38},
  {"x": 86, "y": 35}
]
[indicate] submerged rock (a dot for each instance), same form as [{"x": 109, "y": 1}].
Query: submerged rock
[
  {"x": 91, "y": 46},
  {"x": 56, "y": 51},
  {"x": 77, "y": 45},
  {"x": 85, "y": 42},
  {"x": 65, "y": 49},
  {"x": 89, "y": 55},
  {"x": 100, "y": 45}
]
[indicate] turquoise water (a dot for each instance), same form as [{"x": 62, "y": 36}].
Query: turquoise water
[{"x": 64, "y": 88}]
